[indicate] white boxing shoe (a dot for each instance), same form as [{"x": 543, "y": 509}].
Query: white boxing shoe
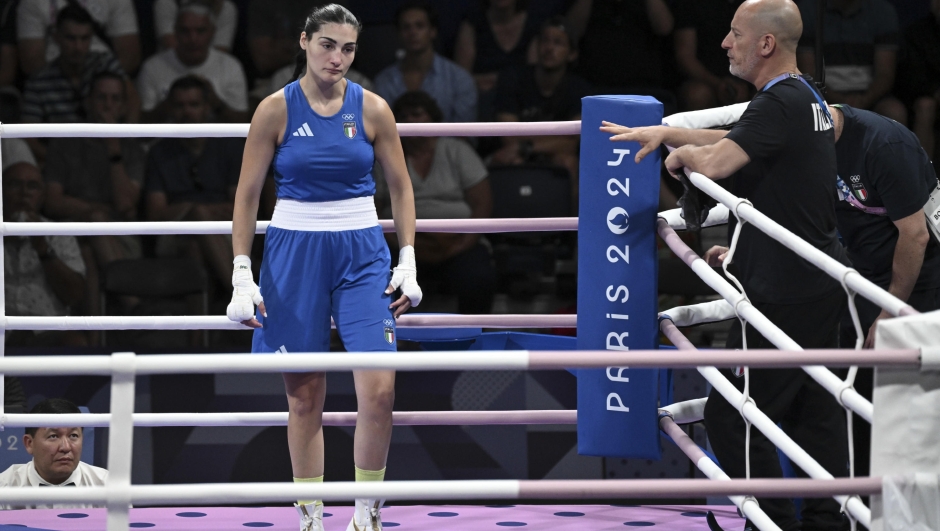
[
  {"x": 367, "y": 516},
  {"x": 311, "y": 516}
]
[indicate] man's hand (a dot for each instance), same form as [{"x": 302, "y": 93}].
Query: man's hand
[
  {"x": 715, "y": 256},
  {"x": 650, "y": 138},
  {"x": 675, "y": 163}
]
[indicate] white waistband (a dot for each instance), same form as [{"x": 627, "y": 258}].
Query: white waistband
[{"x": 347, "y": 214}]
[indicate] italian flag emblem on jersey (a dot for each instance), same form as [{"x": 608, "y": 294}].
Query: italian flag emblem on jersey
[
  {"x": 861, "y": 193},
  {"x": 349, "y": 129},
  {"x": 389, "y": 335}
]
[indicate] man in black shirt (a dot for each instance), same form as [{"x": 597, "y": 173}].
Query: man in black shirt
[
  {"x": 782, "y": 155},
  {"x": 885, "y": 178}
]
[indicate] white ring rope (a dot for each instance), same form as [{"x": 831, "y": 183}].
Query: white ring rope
[
  {"x": 117, "y": 228},
  {"x": 241, "y": 130},
  {"x": 246, "y": 493},
  {"x": 221, "y": 322},
  {"x": 769, "y": 428},
  {"x": 832, "y": 383},
  {"x": 104, "y": 365}
]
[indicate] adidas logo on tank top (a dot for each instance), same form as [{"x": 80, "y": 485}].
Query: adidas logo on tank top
[{"x": 304, "y": 130}]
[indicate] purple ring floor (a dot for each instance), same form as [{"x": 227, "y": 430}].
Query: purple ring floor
[{"x": 396, "y": 518}]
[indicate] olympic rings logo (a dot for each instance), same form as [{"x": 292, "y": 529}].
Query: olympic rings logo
[{"x": 349, "y": 117}]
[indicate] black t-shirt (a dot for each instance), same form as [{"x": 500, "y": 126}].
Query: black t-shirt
[
  {"x": 711, "y": 20},
  {"x": 517, "y": 93},
  {"x": 619, "y": 48},
  {"x": 790, "y": 178},
  {"x": 885, "y": 169}
]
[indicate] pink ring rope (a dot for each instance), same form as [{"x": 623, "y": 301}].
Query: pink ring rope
[{"x": 241, "y": 130}]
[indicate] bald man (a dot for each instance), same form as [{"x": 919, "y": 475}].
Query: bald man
[{"x": 782, "y": 154}]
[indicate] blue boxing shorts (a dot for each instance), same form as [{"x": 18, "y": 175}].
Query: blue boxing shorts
[{"x": 308, "y": 276}]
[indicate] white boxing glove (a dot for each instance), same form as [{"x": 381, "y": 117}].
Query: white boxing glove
[
  {"x": 246, "y": 294},
  {"x": 405, "y": 275}
]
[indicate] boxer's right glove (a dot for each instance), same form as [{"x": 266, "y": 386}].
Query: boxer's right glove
[{"x": 245, "y": 295}]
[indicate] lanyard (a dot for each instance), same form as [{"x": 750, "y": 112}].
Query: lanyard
[
  {"x": 781, "y": 77},
  {"x": 845, "y": 193}
]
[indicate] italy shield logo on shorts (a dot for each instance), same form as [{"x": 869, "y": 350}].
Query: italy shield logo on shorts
[
  {"x": 389, "y": 335},
  {"x": 349, "y": 129}
]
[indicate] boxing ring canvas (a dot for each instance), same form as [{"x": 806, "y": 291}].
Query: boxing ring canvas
[{"x": 397, "y": 518}]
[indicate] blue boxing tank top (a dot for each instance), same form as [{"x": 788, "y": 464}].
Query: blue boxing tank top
[{"x": 324, "y": 158}]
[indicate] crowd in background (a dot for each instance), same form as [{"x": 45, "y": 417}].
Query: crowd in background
[{"x": 201, "y": 61}]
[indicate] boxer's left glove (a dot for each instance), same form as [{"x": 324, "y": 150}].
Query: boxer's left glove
[
  {"x": 245, "y": 294},
  {"x": 405, "y": 275}
]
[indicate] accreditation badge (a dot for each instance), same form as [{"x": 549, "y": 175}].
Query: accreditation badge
[{"x": 932, "y": 211}]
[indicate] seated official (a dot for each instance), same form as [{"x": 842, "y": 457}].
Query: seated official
[
  {"x": 56, "y": 459},
  {"x": 449, "y": 181}
]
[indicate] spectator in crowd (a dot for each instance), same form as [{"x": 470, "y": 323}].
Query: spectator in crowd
[
  {"x": 98, "y": 180},
  {"x": 701, "y": 25},
  {"x": 422, "y": 69},
  {"x": 222, "y": 74},
  {"x": 861, "y": 51},
  {"x": 194, "y": 179},
  {"x": 920, "y": 76},
  {"x": 226, "y": 17},
  {"x": 498, "y": 35},
  {"x": 56, "y": 461},
  {"x": 620, "y": 45},
  {"x": 114, "y": 23},
  {"x": 546, "y": 91},
  {"x": 8, "y": 60},
  {"x": 44, "y": 275},
  {"x": 273, "y": 30},
  {"x": 56, "y": 93},
  {"x": 449, "y": 181}
]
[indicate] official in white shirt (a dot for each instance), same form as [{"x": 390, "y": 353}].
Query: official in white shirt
[{"x": 56, "y": 459}]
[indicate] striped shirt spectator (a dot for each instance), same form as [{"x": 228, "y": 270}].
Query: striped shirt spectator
[{"x": 51, "y": 97}]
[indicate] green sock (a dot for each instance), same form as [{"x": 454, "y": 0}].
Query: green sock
[
  {"x": 370, "y": 475},
  {"x": 318, "y": 479}
]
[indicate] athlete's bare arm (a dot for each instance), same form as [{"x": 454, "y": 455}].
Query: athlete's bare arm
[
  {"x": 264, "y": 135},
  {"x": 381, "y": 129}
]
